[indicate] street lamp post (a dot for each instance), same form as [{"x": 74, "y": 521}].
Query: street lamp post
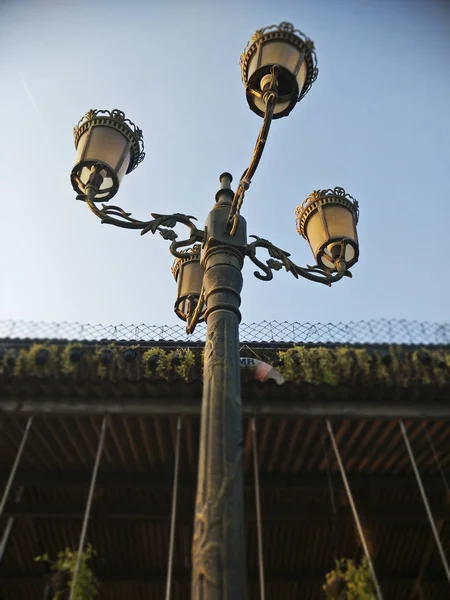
[{"x": 278, "y": 68}]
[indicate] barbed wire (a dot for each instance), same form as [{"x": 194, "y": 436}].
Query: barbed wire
[{"x": 381, "y": 331}]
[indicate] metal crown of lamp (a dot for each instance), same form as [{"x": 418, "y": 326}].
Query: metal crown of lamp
[{"x": 278, "y": 68}]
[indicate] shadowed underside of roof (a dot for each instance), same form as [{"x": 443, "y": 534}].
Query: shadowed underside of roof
[
  {"x": 298, "y": 475},
  {"x": 130, "y": 520}
]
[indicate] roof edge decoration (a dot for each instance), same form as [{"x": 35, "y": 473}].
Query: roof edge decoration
[{"x": 399, "y": 366}]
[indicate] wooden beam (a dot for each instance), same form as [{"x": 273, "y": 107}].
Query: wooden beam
[
  {"x": 268, "y": 481},
  {"x": 131, "y": 575},
  {"x": 378, "y": 407},
  {"x": 300, "y": 514}
]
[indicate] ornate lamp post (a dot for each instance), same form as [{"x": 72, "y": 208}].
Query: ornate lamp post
[{"x": 278, "y": 68}]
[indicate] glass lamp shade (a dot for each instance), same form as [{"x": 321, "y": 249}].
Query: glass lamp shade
[
  {"x": 328, "y": 219},
  {"x": 188, "y": 274},
  {"x": 294, "y": 54},
  {"x": 111, "y": 142}
]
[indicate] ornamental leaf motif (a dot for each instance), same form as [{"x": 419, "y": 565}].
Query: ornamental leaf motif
[
  {"x": 172, "y": 220},
  {"x": 152, "y": 226},
  {"x": 280, "y": 258},
  {"x": 276, "y": 252},
  {"x": 91, "y": 114},
  {"x": 274, "y": 264},
  {"x": 167, "y": 221},
  {"x": 168, "y": 234}
]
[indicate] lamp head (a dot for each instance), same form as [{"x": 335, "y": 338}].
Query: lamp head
[
  {"x": 292, "y": 52},
  {"x": 188, "y": 274},
  {"x": 327, "y": 219},
  {"x": 108, "y": 146}
]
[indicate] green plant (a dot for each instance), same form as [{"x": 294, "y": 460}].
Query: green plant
[
  {"x": 70, "y": 358},
  {"x": 346, "y": 366},
  {"x": 157, "y": 363},
  {"x": 40, "y": 360},
  {"x": 106, "y": 358},
  {"x": 184, "y": 360},
  {"x": 8, "y": 360},
  {"x": 350, "y": 581},
  {"x": 86, "y": 587}
]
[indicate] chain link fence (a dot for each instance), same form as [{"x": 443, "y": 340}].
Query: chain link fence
[{"x": 359, "y": 332}]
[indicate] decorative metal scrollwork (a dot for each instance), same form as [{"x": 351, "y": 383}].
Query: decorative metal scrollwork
[
  {"x": 114, "y": 215},
  {"x": 337, "y": 191},
  {"x": 280, "y": 259}
]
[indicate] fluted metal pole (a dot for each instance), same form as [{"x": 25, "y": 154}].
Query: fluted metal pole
[{"x": 218, "y": 551}]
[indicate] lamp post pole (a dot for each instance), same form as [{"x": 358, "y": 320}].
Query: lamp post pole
[
  {"x": 218, "y": 549},
  {"x": 278, "y": 68}
]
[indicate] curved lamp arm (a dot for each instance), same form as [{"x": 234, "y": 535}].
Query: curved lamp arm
[
  {"x": 114, "y": 215},
  {"x": 270, "y": 98},
  {"x": 280, "y": 258}
]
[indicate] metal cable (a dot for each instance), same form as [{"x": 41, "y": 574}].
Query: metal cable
[
  {"x": 9, "y": 525},
  {"x": 174, "y": 511},
  {"x": 354, "y": 511},
  {"x": 258, "y": 513},
  {"x": 87, "y": 512},
  {"x": 332, "y": 496},
  {"x": 15, "y": 465},
  {"x": 425, "y": 501}
]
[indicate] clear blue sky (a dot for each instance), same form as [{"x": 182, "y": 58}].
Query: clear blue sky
[{"x": 376, "y": 122}]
